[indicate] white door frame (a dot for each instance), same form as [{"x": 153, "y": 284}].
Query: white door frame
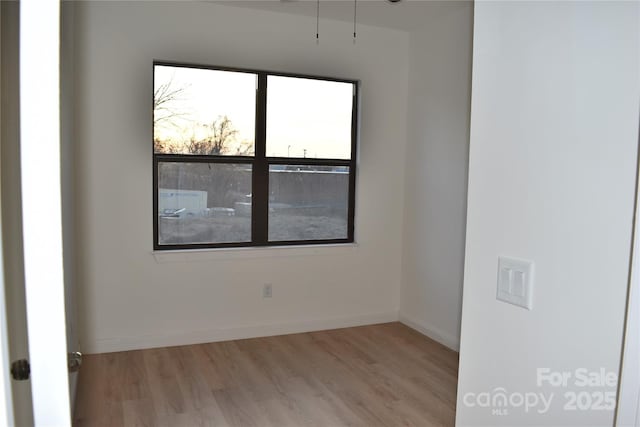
[
  {"x": 42, "y": 210},
  {"x": 6, "y": 404},
  {"x": 628, "y": 407}
]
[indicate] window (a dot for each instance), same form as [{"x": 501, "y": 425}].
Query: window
[{"x": 251, "y": 158}]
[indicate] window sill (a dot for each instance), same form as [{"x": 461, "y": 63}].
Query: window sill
[{"x": 224, "y": 254}]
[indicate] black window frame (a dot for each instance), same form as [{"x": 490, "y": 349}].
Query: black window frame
[{"x": 260, "y": 166}]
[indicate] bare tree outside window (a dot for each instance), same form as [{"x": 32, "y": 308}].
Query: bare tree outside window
[
  {"x": 219, "y": 133},
  {"x": 166, "y": 113},
  {"x": 164, "y": 97}
]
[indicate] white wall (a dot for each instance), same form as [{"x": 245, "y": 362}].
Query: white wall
[
  {"x": 129, "y": 299},
  {"x": 436, "y": 171},
  {"x": 554, "y": 135}
]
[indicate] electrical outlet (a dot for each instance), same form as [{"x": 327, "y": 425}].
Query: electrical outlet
[{"x": 266, "y": 290}]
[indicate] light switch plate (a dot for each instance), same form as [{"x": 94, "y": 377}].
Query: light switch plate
[{"x": 515, "y": 281}]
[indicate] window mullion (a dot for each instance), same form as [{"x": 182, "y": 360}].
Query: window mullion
[{"x": 260, "y": 182}]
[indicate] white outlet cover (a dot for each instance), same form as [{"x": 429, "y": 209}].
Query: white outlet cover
[{"x": 515, "y": 282}]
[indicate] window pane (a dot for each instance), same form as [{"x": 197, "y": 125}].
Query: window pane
[
  {"x": 308, "y": 118},
  {"x": 308, "y": 202},
  {"x": 206, "y": 112},
  {"x": 203, "y": 203}
]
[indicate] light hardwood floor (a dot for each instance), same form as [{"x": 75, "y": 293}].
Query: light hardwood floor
[{"x": 379, "y": 375}]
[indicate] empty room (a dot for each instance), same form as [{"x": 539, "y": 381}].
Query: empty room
[{"x": 319, "y": 213}]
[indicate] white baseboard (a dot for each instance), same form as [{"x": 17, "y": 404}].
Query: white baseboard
[
  {"x": 435, "y": 334},
  {"x": 110, "y": 345}
]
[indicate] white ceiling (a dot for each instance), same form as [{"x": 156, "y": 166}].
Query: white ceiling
[{"x": 405, "y": 15}]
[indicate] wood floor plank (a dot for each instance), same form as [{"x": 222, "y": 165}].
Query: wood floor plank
[
  {"x": 377, "y": 375},
  {"x": 168, "y": 398},
  {"x": 139, "y": 413},
  {"x": 106, "y": 411},
  {"x": 238, "y": 408}
]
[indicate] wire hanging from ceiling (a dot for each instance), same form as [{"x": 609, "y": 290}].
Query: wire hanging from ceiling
[
  {"x": 317, "y": 21},
  {"x": 355, "y": 14},
  {"x": 355, "y": 20}
]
